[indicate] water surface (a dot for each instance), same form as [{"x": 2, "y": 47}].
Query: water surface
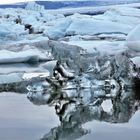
[
  {"x": 21, "y": 120},
  {"x": 25, "y": 119}
]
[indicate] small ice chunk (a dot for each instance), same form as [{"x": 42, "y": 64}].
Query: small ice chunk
[{"x": 107, "y": 105}]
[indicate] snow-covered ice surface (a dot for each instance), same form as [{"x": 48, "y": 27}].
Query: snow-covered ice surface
[{"x": 78, "y": 64}]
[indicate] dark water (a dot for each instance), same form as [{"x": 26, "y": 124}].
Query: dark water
[{"x": 52, "y": 116}]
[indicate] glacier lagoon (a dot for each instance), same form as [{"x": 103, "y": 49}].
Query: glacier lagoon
[{"x": 69, "y": 77}]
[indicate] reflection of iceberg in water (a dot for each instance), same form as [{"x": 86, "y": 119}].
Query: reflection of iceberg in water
[
  {"x": 81, "y": 100},
  {"x": 76, "y": 107}
]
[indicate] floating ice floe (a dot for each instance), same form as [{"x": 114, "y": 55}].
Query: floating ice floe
[
  {"x": 11, "y": 30},
  {"x": 20, "y": 67},
  {"x": 124, "y": 15},
  {"x": 95, "y": 27},
  {"x": 31, "y": 55},
  {"x": 58, "y": 28},
  {"x": 11, "y": 78},
  {"x": 127, "y": 11}
]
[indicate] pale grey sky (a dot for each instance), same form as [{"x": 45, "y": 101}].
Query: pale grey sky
[{"x": 14, "y": 1}]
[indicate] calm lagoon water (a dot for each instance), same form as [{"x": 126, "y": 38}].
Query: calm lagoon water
[{"x": 20, "y": 119}]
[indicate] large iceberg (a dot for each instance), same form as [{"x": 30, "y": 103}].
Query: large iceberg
[{"x": 10, "y": 78}]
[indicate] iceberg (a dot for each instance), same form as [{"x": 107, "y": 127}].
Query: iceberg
[
  {"x": 95, "y": 27},
  {"x": 74, "y": 25},
  {"x": 11, "y": 33},
  {"x": 123, "y": 15},
  {"x": 58, "y": 28}
]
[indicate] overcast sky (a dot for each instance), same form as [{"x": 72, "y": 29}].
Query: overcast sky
[
  {"x": 14, "y": 1},
  {"x": 11, "y": 1}
]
